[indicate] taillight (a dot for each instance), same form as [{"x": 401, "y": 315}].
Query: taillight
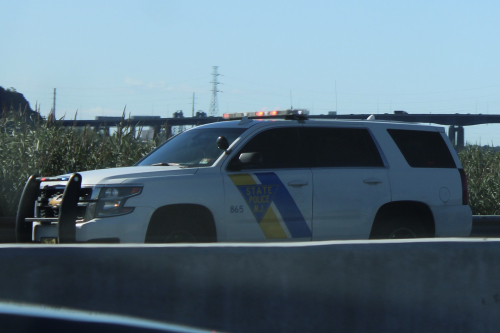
[{"x": 465, "y": 187}]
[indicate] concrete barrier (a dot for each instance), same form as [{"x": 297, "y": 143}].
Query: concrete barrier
[
  {"x": 7, "y": 229},
  {"x": 438, "y": 285},
  {"x": 485, "y": 226}
]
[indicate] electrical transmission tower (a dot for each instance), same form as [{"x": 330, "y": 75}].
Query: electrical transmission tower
[{"x": 214, "y": 104}]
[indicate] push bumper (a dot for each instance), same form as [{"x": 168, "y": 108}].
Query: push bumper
[
  {"x": 66, "y": 228},
  {"x": 67, "y": 212}
]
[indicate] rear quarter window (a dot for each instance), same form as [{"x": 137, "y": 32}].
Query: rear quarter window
[{"x": 423, "y": 149}]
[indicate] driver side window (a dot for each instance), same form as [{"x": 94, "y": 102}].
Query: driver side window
[{"x": 279, "y": 148}]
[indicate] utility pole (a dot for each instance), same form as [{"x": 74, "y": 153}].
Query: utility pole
[
  {"x": 192, "y": 111},
  {"x": 54, "y": 105},
  {"x": 214, "y": 104},
  {"x": 336, "y": 104}
]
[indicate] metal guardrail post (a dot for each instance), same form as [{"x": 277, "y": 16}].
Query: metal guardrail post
[
  {"x": 26, "y": 209},
  {"x": 67, "y": 214}
]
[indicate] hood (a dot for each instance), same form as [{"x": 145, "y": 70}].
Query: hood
[{"x": 119, "y": 175}]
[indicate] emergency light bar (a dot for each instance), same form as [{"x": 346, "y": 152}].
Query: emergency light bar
[{"x": 266, "y": 114}]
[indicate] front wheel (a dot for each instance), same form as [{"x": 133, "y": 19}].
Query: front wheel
[
  {"x": 400, "y": 227},
  {"x": 183, "y": 223},
  {"x": 187, "y": 233}
]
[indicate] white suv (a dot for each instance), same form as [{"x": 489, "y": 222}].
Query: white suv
[{"x": 254, "y": 180}]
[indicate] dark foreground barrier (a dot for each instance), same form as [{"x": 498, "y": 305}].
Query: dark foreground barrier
[{"x": 356, "y": 286}]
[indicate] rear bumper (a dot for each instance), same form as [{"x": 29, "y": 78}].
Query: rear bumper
[{"x": 452, "y": 221}]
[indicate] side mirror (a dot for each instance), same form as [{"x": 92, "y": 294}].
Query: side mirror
[
  {"x": 245, "y": 160},
  {"x": 222, "y": 143},
  {"x": 248, "y": 159}
]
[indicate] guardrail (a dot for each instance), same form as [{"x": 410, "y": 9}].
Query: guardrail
[{"x": 485, "y": 226}]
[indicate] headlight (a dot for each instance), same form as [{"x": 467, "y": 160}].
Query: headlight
[{"x": 111, "y": 201}]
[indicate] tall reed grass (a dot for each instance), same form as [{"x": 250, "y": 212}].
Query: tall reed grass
[
  {"x": 47, "y": 148},
  {"x": 482, "y": 167}
]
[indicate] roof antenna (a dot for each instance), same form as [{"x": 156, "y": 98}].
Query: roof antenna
[{"x": 291, "y": 104}]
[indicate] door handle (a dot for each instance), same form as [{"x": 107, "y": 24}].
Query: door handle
[
  {"x": 297, "y": 184},
  {"x": 372, "y": 181}
]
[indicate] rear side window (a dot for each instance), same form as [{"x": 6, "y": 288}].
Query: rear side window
[
  {"x": 423, "y": 149},
  {"x": 341, "y": 147}
]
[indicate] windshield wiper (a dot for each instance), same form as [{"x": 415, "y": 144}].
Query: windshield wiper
[{"x": 165, "y": 164}]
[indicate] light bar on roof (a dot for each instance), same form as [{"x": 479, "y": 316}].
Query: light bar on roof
[{"x": 263, "y": 114}]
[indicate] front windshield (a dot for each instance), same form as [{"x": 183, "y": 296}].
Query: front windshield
[{"x": 193, "y": 148}]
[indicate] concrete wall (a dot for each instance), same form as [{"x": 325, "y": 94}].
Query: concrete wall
[
  {"x": 7, "y": 229},
  {"x": 379, "y": 286}
]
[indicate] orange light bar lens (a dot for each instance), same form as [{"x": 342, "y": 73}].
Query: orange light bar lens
[
  {"x": 259, "y": 114},
  {"x": 135, "y": 190},
  {"x": 273, "y": 113},
  {"x": 225, "y": 116}
]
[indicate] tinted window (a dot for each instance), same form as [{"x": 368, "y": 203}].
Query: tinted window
[
  {"x": 342, "y": 147},
  {"x": 423, "y": 149},
  {"x": 280, "y": 148}
]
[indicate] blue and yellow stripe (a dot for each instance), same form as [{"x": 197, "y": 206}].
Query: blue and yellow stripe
[{"x": 283, "y": 201}]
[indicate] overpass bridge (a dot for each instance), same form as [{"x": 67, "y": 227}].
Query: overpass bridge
[{"x": 455, "y": 122}]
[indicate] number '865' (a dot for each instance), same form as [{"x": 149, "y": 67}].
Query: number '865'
[{"x": 236, "y": 209}]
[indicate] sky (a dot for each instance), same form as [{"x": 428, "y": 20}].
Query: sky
[{"x": 150, "y": 57}]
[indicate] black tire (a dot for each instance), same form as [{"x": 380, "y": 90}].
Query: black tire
[
  {"x": 400, "y": 227},
  {"x": 180, "y": 232},
  {"x": 181, "y": 224}
]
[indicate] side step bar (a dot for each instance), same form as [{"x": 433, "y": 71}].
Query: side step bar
[{"x": 66, "y": 229}]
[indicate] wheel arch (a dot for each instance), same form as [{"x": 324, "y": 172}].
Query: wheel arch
[
  {"x": 416, "y": 209},
  {"x": 165, "y": 217}
]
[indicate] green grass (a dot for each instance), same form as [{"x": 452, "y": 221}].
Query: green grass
[{"x": 47, "y": 148}]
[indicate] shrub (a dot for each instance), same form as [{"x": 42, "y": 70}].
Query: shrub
[{"x": 482, "y": 167}]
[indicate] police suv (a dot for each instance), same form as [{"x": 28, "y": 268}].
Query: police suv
[{"x": 254, "y": 180}]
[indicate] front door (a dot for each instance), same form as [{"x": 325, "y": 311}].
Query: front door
[{"x": 271, "y": 201}]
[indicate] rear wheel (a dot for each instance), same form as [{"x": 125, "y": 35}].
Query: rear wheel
[{"x": 399, "y": 228}]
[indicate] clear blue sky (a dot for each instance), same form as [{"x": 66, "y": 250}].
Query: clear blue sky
[{"x": 348, "y": 56}]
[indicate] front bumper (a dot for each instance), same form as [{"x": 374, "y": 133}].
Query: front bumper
[{"x": 130, "y": 228}]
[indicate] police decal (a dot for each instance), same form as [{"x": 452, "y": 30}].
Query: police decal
[{"x": 260, "y": 197}]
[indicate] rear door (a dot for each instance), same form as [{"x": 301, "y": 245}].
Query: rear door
[
  {"x": 349, "y": 178},
  {"x": 271, "y": 201}
]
